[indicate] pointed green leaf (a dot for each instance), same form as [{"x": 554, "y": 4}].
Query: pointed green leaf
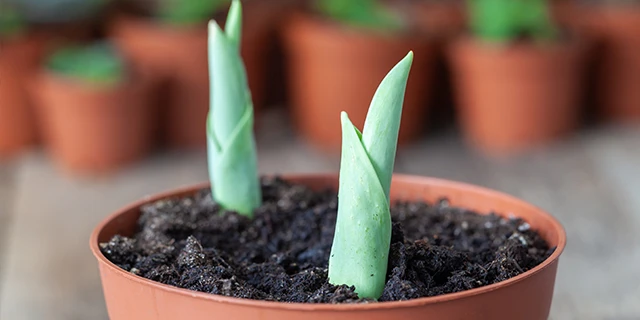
[
  {"x": 233, "y": 27},
  {"x": 360, "y": 250},
  {"x": 381, "y": 127}
]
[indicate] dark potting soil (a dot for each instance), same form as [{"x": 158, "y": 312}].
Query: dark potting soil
[{"x": 283, "y": 253}]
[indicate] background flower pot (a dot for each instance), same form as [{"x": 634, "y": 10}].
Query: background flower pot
[
  {"x": 618, "y": 29},
  {"x": 333, "y": 69},
  {"x": 19, "y": 59},
  {"x": 178, "y": 56},
  {"x": 95, "y": 129},
  {"x": 514, "y": 97},
  {"x": 443, "y": 20},
  {"x": 527, "y": 296}
]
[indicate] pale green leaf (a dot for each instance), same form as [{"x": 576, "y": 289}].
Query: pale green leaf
[
  {"x": 360, "y": 250},
  {"x": 232, "y": 156}
]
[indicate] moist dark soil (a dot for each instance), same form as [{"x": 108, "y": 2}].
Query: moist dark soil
[{"x": 283, "y": 253}]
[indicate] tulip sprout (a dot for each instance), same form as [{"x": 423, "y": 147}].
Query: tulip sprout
[
  {"x": 232, "y": 156},
  {"x": 361, "y": 243}
]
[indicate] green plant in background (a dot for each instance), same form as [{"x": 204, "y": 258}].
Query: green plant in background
[
  {"x": 11, "y": 22},
  {"x": 58, "y": 11},
  {"x": 185, "y": 12},
  {"x": 232, "y": 156},
  {"x": 96, "y": 64},
  {"x": 509, "y": 20},
  {"x": 368, "y": 14},
  {"x": 360, "y": 250},
  {"x": 180, "y": 12}
]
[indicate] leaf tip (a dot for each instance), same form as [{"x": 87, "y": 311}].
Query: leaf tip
[{"x": 407, "y": 61}]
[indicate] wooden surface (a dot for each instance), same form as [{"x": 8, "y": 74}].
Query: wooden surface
[{"x": 591, "y": 183}]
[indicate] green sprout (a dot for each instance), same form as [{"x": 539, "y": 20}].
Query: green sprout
[
  {"x": 367, "y": 14},
  {"x": 232, "y": 156},
  {"x": 97, "y": 63},
  {"x": 509, "y": 20},
  {"x": 188, "y": 12},
  {"x": 360, "y": 250}
]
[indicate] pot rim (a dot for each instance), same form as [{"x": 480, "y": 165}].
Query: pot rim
[{"x": 559, "y": 229}]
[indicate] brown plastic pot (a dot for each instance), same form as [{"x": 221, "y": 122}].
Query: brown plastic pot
[
  {"x": 333, "y": 69},
  {"x": 618, "y": 29},
  {"x": 514, "y": 97},
  {"x": 94, "y": 130},
  {"x": 178, "y": 56},
  {"x": 524, "y": 297},
  {"x": 19, "y": 59}
]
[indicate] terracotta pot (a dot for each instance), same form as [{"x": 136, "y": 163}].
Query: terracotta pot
[
  {"x": 334, "y": 69},
  {"x": 511, "y": 98},
  {"x": 441, "y": 18},
  {"x": 178, "y": 59},
  {"x": 19, "y": 59},
  {"x": 95, "y": 130},
  {"x": 617, "y": 27},
  {"x": 525, "y": 297},
  {"x": 178, "y": 56}
]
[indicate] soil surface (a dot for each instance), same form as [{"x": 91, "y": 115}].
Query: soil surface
[{"x": 283, "y": 253}]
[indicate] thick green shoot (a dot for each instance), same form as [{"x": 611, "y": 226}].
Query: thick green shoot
[
  {"x": 360, "y": 250},
  {"x": 188, "y": 12},
  {"x": 232, "y": 156},
  {"x": 96, "y": 64},
  {"x": 364, "y": 14},
  {"x": 505, "y": 21}
]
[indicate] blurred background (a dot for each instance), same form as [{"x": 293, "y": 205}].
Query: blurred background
[{"x": 104, "y": 101}]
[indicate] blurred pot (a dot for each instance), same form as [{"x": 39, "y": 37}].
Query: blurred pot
[
  {"x": 525, "y": 297},
  {"x": 514, "y": 97},
  {"x": 95, "y": 130},
  {"x": 19, "y": 58},
  {"x": 441, "y": 18},
  {"x": 618, "y": 29},
  {"x": 178, "y": 56},
  {"x": 333, "y": 68}
]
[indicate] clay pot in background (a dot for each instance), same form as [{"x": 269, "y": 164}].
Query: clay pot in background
[
  {"x": 178, "y": 56},
  {"x": 276, "y": 87},
  {"x": 94, "y": 130},
  {"x": 525, "y": 297},
  {"x": 334, "y": 69},
  {"x": 444, "y": 21},
  {"x": 618, "y": 75},
  {"x": 19, "y": 59},
  {"x": 514, "y": 97}
]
